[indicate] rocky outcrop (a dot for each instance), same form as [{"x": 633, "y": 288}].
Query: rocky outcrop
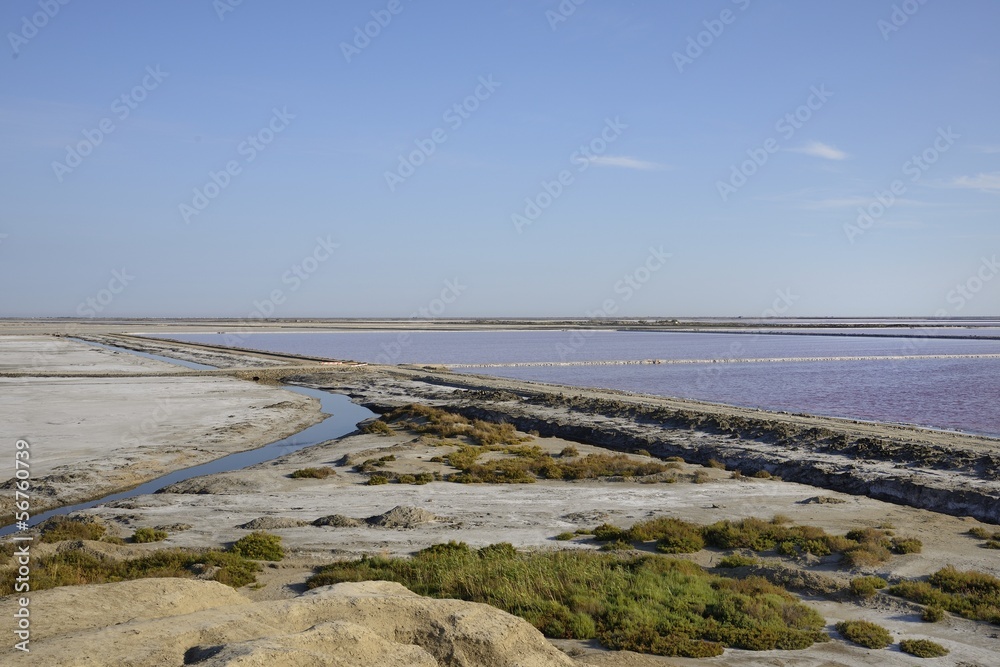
[{"x": 158, "y": 622}]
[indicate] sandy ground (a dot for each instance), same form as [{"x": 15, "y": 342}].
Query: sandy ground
[{"x": 94, "y": 435}]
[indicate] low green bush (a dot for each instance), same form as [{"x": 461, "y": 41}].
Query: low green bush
[
  {"x": 59, "y": 529},
  {"x": 932, "y": 614},
  {"x": 970, "y": 594},
  {"x": 259, "y": 545},
  {"x": 922, "y": 648},
  {"x": 865, "y": 633},
  {"x": 565, "y": 537},
  {"x": 648, "y": 603},
  {"x": 866, "y": 587},
  {"x": 375, "y": 480},
  {"x": 144, "y": 535},
  {"x": 736, "y": 560},
  {"x": 979, "y": 532},
  {"x": 378, "y": 427},
  {"x": 313, "y": 473}
]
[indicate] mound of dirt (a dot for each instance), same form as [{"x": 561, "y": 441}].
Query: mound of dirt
[
  {"x": 272, "y": 523},
  {"x": 175, "y": 621},
  {"x": 221, "y": 484},
  {"x": 402, "y": 516},
  {"x": 338, "y": 521}
]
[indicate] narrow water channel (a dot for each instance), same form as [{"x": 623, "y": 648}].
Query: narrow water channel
[{"x": 343, "y": 418}]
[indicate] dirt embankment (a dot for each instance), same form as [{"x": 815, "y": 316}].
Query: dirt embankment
[{"x": 940, "y": 471}]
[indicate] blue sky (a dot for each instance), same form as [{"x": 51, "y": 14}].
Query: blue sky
[{"x": 598, "y": 158}]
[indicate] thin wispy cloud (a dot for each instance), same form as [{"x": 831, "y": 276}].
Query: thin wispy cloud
[
  {"x": 987, "y": 149},
  {"x": 985, "y": 182},
  {"x": 819, "y": 149},
  {"x": 625, "y": 162}
]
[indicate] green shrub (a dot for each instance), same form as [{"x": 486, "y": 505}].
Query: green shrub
[
  {"x": 406, "y": 479},
  {"x": 423, "y": 478},
  {"x": 313, "y": 473},
  {"x": 991, "y": 544},
  {"x": 650, "y": 604},
  {"x": 607, "y": 532},
  {"x": 617, "y": 545},
  {"x": 973, "y": 595},
  {"x": 375, "y": 480},
  {"x": 569, "y": 451},
  {"x": 736, "y": 560},
  {"x": 866, "y": 587},
  {"x": 377, "y": 427},
  {"x": 564, "y": 537},
  {"x": 932, "y": 614},
  {"x": 144, "y": 535},
  {"x": 922, "y": 648},
  {"x": 259, "y": 545},
  {"x": 865, "y": 633},
  {"x": 76, "y": 567},
  {"x": 712, "y": 463},
  {"x": 59, "y": 529},
  {"x": 906, "y": 546},
  {"x": 979, "y": 532}
]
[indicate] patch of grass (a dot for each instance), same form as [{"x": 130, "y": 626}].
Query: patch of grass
[
  {"x": 922, "y": 648},
  {"x": 700, "y": 477},
  {"x": 932, "y": 614},
  {"x": 435, "y": 421},
  {"x": 375, "y": 480},
  {"x": 736, "y": 560},
  {"x": 650, "y": 604},
  {"x": 866, "y": 587},
  {"x": 378, "y": 427},
  {"x": 370, "y": 465},
  {"x": 712, "y": 463},
  {"x": 406, "y": 479},
  {"x": 565, "y": 537},
  {"x": 313, "y": 473},
  {"x": 145, "y": 535},
  {"x": 59, "y": 529},
  {"x": 991, "y": 544},
  {"x": 865, "y": 633},
  {"x": 76, "y": 567},
  {"x": 569, "y": 451},
  {"x": 259, "y": 545},
  {"x": 970, "y": 594}
]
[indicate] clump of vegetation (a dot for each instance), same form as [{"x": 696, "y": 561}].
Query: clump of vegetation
[
  {"x": 712, "y": 463},
  {"x": 370, "y": 465},
  {"x": 59, "y": 529},
  {"x": 866, "y": 587},
  {"x": 979, "y": 532},
  {"x": 650, "y": 604},
  {"x": 970, "y": 594},
  {"x": 565, "y": 537},
  {"x": 700, "y": 477},
  {"x": 313, "y": 473},
  {"x": 569, "y": 451},
  {"x": 145, "y": 535},
  {"x": 991, "y": 544},
  {"x": 76, "y": 567},
  {"x": 259, "y": 545},
  {"x": 736, "y": 560},
  {"x": 865, "y": 633},
  {"x": 375, "y": 480},
  {"x": 932, "y": 614},
  {"x": 922, "y": 648},
  {"x": 377, "y": 427},
  {"x": 435, "y": 421}
]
